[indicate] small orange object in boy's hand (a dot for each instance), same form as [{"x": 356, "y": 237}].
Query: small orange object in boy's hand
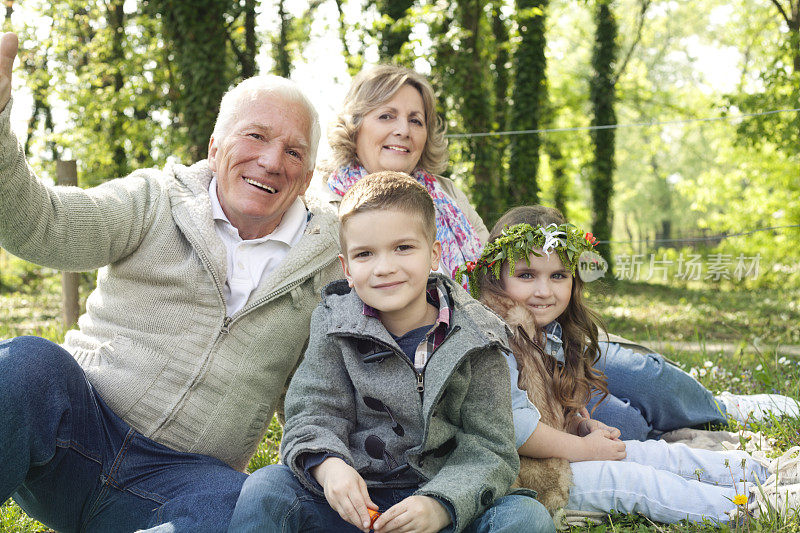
[{"x": 373, "y": 515}]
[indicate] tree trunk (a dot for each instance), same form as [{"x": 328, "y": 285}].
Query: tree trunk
[
  {"x": 476, "y": 110},
  {"x": 560, "y": 177},
  {"x": 197, "y": 33},
  {"x": 530, "y": 93},
  {"x": 116, "y": 21},
  {"x": 602, "y": 95},
  {"x": 502, "y": 198},
  {"x": 248, "y": 61},
  {"x": 280, "y": 44}
]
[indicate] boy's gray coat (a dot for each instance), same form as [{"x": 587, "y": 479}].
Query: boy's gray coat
[{"x": 457, "y": 435}]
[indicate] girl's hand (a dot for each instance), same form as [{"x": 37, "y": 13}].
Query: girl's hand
[
  {"x": 420, "y": 514},
  {"x": 586, "y": 426},
  {"x": 345, "y": 491},
  {"x": 601, "y": 445}
]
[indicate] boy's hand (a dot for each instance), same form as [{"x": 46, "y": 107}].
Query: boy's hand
[
  {"x": 420, "y": 514},
  {"x": 8, "y": 52},
  {"x": 345, "y": 491},
  {"x": 601, "y": 445}
]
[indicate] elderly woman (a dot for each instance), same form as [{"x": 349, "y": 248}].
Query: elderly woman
[{"x": 389, "y": 122}]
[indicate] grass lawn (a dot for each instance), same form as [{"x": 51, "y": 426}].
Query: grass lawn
[{"x": 754, "y": 322}]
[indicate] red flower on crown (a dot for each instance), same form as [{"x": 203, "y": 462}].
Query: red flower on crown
[
  {"x": 591, "y": 239},
  {"x": 470, "y": 266}
]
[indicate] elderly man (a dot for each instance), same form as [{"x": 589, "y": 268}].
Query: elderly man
[{"x": 208, "y": 276}]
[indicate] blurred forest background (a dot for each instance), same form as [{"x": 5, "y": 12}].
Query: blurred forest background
[
  {"x": 704, "y": 93},
  {"x": 669, "y": 127}
]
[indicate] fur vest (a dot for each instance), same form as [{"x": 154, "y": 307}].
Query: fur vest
[{"x": 550, "y": 478}]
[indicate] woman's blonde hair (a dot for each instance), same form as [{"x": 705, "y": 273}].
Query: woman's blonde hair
[
  {"x": 575, "y": 382},
  {"x": 371, "y": 88}
]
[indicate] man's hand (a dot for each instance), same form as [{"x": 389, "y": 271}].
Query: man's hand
[
  {"x": 600, "y": 445},
  {"x": 8, "y": 52},
  {"x": 345, "y": 491},
  {"x": 420, "y": 514}
]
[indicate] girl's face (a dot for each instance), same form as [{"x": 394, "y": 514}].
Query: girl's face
[{"x": 545, "y": 286}]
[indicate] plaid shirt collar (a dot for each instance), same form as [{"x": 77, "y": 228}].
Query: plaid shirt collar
[{"x": 437, "y": 295}]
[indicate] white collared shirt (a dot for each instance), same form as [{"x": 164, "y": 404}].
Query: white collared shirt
[{"x": 250, "y": 261}]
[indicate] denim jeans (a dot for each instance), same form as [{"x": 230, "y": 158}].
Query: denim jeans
[
  {"x": 665, "y": 482},
  {"x": 74, "y": 465},
  {"x": 649, "y": 396},
  {"x": 274, "y": 501}
]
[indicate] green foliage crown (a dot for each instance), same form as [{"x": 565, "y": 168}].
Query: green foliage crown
[{"x": 521, "y": 241}]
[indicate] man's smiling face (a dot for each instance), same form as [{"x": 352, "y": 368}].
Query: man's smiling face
[{"x": 262, "y": 164}]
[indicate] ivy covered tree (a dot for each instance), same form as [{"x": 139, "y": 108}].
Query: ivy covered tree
[
  {"x": 200, "y": 64},
  {"x": 529, "y": 97},
  {"x": 602, "y": 92},
  {"x": 465, "y": 58}
]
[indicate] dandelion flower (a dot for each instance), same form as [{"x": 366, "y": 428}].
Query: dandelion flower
[{"x": 740, "y": 499}]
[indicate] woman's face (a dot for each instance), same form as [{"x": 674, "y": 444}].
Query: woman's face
[{"x": 392, "y": 136}]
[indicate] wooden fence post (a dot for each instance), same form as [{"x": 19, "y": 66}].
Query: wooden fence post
[{"x": 67, "y": 174}]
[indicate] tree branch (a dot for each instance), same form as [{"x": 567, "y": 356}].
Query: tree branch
[
  {"x": 783, "y": 13},
  {"x": 645, "y": 4}
]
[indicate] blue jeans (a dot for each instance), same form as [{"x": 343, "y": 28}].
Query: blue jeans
[
  {"x": 665, "y": 482},
  {"x": 74, "y": 465},
  {"x": 649, "y": 396},
  {"x": 274, "y": 501}
]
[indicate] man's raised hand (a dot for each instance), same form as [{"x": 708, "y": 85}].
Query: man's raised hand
[{"x": 8, "y": 52}]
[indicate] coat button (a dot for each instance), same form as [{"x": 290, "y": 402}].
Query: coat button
[
  {"x": 487, "y": 497},
  {"x": 363, "y": 346}
]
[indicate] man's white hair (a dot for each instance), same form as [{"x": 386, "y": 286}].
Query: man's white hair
[{"x": 249, "y": 91}]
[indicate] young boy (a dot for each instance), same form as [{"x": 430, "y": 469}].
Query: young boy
[{"x": 402, "y": 403}]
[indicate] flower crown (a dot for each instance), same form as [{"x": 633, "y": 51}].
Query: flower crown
[{"x": 520, "y": 241}]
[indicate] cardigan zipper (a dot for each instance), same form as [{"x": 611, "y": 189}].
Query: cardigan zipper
[
  {"x": 226, "y": 323},
  {"x": 237, "y": 315}
]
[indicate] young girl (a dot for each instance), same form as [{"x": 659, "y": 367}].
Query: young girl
[{"x": 527, "y": 275}]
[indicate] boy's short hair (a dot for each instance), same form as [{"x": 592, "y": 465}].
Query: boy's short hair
[{"x": 388, "y": 190}]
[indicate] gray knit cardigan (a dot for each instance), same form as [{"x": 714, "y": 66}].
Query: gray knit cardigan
[{"x": 156, "y": 341}]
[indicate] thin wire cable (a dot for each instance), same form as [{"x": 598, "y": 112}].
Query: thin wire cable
[
  {"x": 616, "y": 126},
  {"x": 700, "y": 239}
]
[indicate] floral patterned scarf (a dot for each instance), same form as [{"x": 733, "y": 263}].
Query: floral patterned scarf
[{"x": 459, "y": 241}]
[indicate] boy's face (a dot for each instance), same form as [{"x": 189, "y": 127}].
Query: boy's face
[
  {"x": 387, "y": 259},
  {"x": 544, "y": 287}
]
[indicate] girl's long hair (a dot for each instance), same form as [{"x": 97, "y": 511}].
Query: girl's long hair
[{"x": 575, "y": 381}]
